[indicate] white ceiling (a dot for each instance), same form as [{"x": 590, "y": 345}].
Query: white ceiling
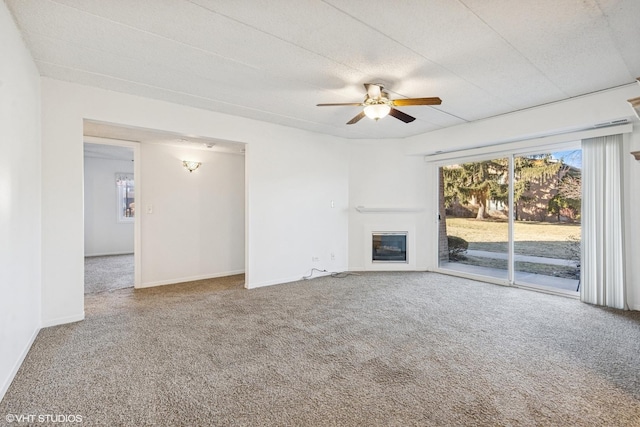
[
  {"x": 110, "y": 152},
  {"x": 273, "y": 60},
  {"x": 128, "y": 133}
]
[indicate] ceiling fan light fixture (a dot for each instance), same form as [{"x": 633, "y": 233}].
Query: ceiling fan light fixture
[{"x": 377, "y": 111}]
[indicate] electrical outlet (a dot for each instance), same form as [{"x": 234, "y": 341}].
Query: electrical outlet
[
  {"x": 315, "y": 259},
  {"x": 333, "y": 256}
]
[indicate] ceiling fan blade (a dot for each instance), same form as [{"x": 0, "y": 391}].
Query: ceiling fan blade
[
  {"x": 340, "y": 104},
  {"x": 416, "y": 101},
  {"x": 373, "y": 90},
  {"x": 401, "y": 116},
  {"x": 356, "y": 119}
]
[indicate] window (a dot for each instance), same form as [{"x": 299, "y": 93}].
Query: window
[
  {"x": 514, "y": 218},
  {"x": 126, "y": 197}
]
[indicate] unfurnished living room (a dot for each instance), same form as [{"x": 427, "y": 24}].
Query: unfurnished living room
[{"x": 320, "y": 212}]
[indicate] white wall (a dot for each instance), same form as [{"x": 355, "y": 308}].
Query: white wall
[
  {"x": 291, "y": 178},
  {"x": 196, "y": 228},
  {"x": 382, "y": 176},
  {"x": 292, "y": 183},
  {"x": 103, "y": 234},
  {"x": 569, "y": 115},
  {"x": 19, "y": 200}
]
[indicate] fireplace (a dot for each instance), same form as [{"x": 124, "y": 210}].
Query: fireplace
[{"x": 389, "y": 247}]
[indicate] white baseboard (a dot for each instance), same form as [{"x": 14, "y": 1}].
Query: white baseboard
[
  {"x": 7, "y": 382},
  {"x": 62, "y": 320},
  {"x": 284, "y": 280},
  {"x": 273, "y": 282},
  {"x": 189, "y": 279}
]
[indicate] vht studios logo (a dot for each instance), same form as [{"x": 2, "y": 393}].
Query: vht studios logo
[{"x": 43, "y": 418}]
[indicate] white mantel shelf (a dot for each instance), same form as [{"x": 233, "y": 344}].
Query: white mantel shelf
[{"x": 363, "y": 209}]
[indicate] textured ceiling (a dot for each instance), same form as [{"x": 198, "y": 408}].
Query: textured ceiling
[
  {"x": 129, "y": 133},
  {"x": 273, "y": 60},
  {"x": 111, "y": 152}
]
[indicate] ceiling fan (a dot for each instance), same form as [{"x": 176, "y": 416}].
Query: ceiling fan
[{"x": 377, "y": 104}]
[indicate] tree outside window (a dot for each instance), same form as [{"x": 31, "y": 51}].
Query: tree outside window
[{"x": 126, "y": 197}]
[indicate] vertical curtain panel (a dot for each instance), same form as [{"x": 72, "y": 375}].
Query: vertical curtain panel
[{"x": 603, "y": 257}]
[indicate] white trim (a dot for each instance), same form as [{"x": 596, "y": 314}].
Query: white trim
[
  {"x": 273, "y": 282},
  {"x": 63, "y": 320},
  {"x": 541, "y": 144},
  {"x": 18, "y": 363},
  {"x": 477, "y": 277},
  {"x": 511, "y": 267},
  {"x": 247, "y": 212},
  {"x": 137, "y": 174},
  {"x": 548, "y": 290},
  {"x": 316, "y": 275},
  {"x": 189, "y": 279},
  {"x": 137, "y": 219}
]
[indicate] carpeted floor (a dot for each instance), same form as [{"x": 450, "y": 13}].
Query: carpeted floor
[
  {"x": 379, "y": 349},
  {"x": 106, "y": 273}
]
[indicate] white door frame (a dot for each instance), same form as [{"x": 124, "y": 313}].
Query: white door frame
[{"x": 137, "y": 259}]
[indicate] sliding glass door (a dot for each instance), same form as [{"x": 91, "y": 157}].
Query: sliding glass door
[
  {"x": 547, "y": 207},
  {"x": 515, "y": 218},
  {"x": 474, "y": 219}
]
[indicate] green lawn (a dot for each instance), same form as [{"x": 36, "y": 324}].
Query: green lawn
[{"x": 531, "y": 238}]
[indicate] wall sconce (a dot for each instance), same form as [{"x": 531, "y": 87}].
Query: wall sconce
[{"x": 190, "y": 165}]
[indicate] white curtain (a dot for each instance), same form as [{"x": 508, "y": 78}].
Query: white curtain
[{"x": 603, "y": 258}]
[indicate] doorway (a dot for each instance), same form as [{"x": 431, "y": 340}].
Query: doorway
[{"x": 109, "y": 215}]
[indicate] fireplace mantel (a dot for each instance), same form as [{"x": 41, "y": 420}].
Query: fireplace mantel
[{"x": 363, "y": 209}]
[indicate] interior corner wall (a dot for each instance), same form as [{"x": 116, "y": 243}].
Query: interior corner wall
[
  {"x": 192, "y": 222},
  {"x": 291, "y": 177},
  {"x": 103, "y": 234},
  {"x": 20, "y": 282},
  {"x": 383, "y": 177}
]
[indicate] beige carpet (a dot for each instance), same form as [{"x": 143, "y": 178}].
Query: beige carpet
[
  {"x": 106, "y": 273},
  {"x": 379, "y": 349}
]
